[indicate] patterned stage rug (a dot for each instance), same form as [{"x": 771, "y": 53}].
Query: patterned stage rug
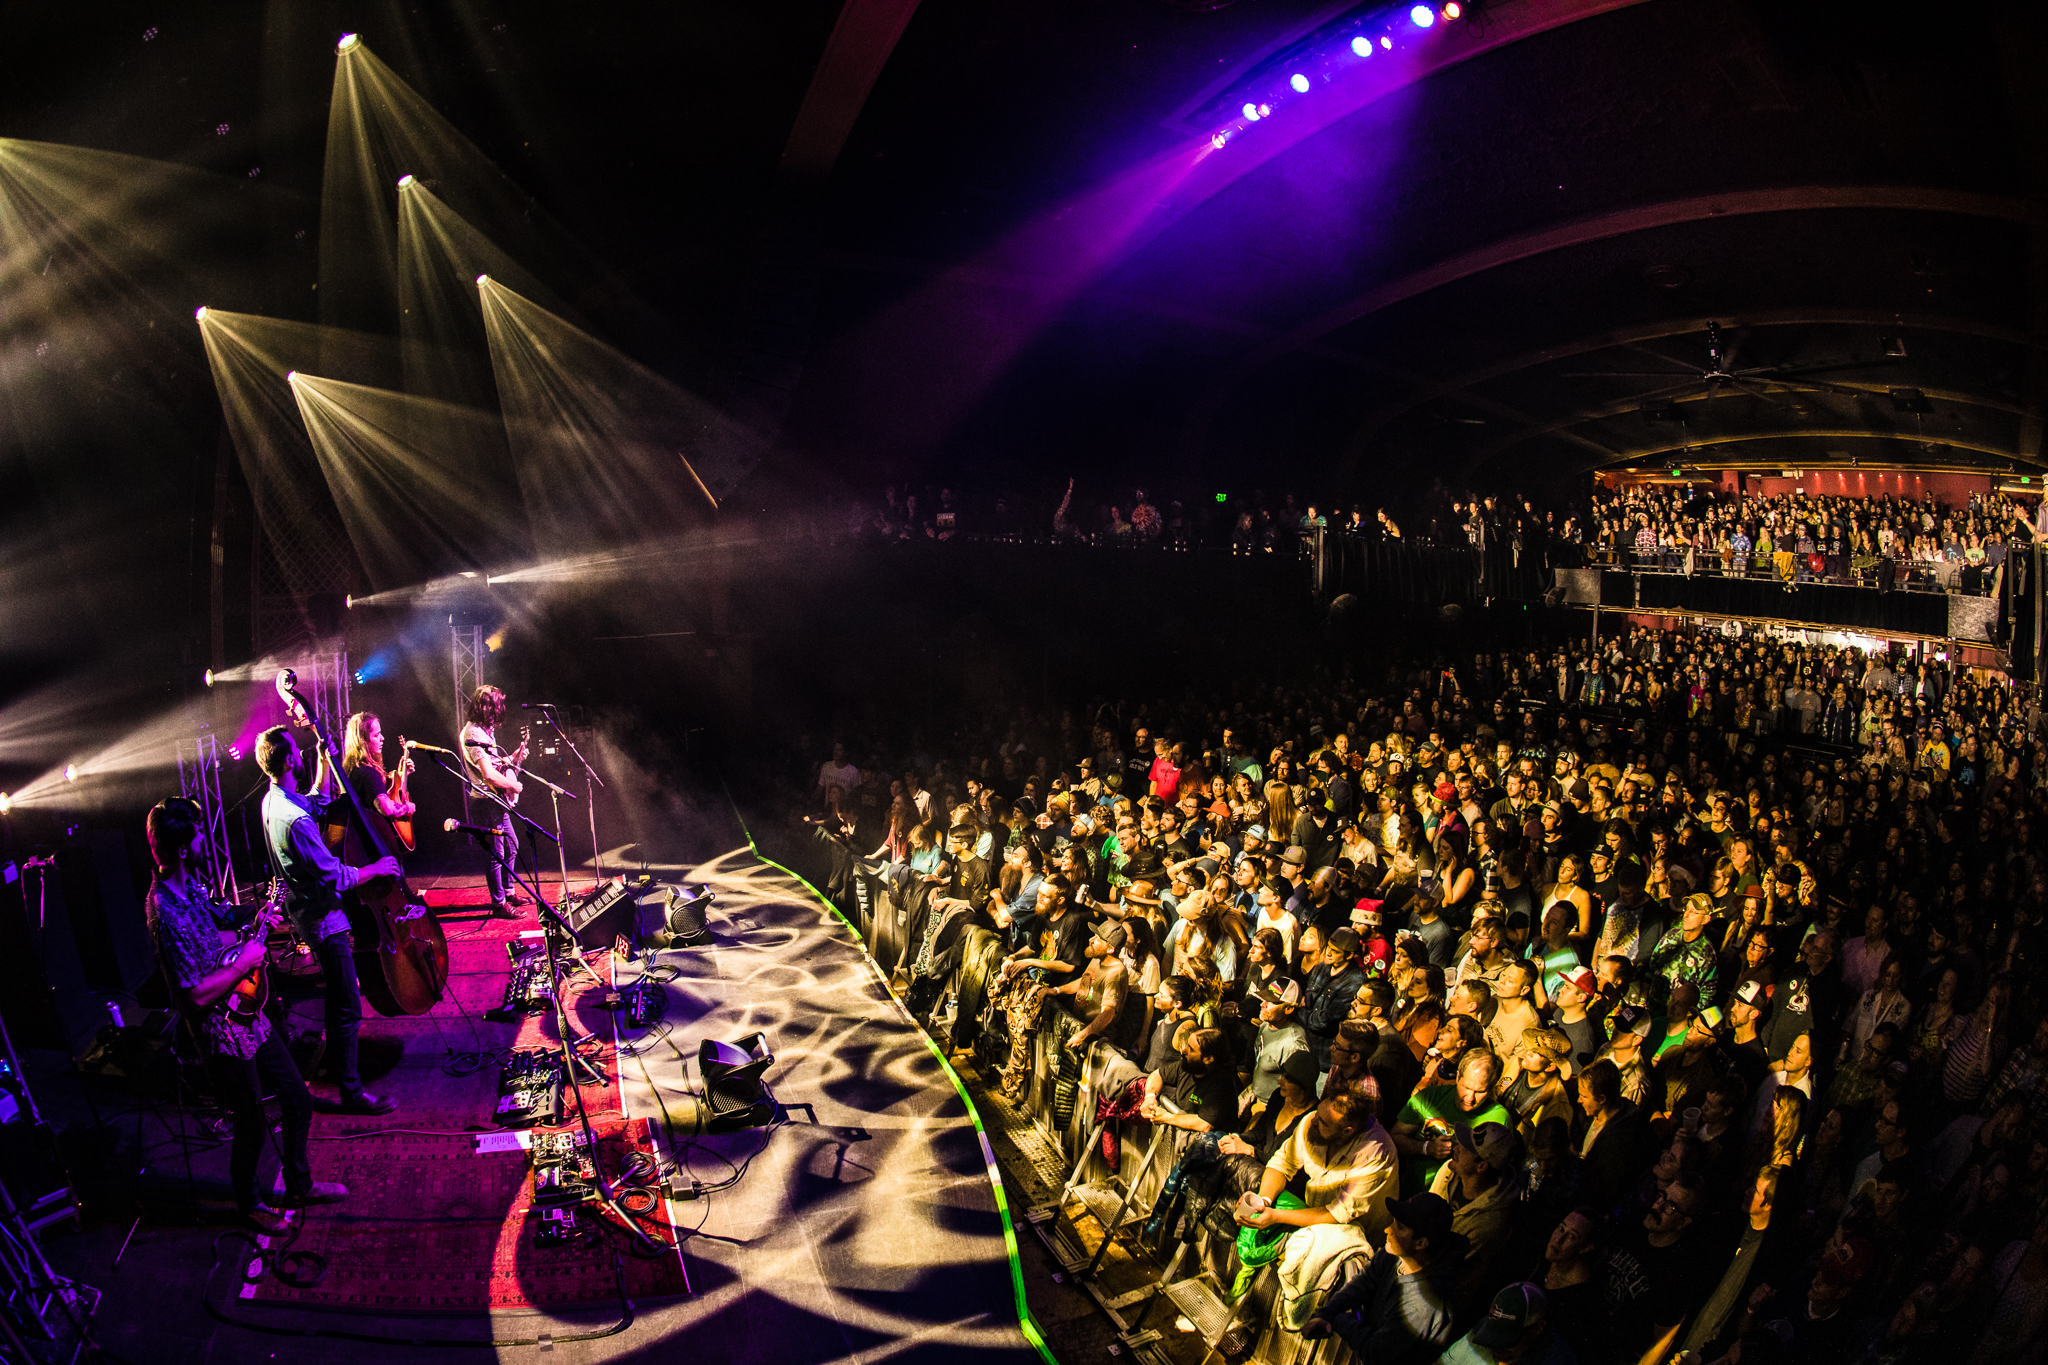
[{"x": 432, "y": 1225}]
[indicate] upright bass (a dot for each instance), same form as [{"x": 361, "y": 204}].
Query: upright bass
[{"x": 401, "y": 952}]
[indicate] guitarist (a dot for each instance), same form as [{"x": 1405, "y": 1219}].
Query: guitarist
[
  {"x": 315, "y": 881},
  {"x": 246, "y": 1056},
  {"x": 497, "y": 773},
  {"x": 362, "y": 767}
]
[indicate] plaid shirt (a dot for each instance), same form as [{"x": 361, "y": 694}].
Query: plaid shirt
[{"x": 186, "y": 930}]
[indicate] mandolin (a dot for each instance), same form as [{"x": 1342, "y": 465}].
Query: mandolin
[{"x": 249, "y": 995}]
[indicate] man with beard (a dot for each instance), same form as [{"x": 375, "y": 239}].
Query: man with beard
[
  {"x": 1199, "y": 1082},
  {"x": 1350, "y": 1167}
]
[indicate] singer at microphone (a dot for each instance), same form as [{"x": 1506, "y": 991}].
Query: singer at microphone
[{"x": 498, "y": 772}]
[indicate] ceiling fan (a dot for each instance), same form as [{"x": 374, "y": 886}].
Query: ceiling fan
[{"x": 1721, "y": 372}]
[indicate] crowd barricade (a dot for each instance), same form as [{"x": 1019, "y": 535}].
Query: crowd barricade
[{"x": 1063, "y": 1088}]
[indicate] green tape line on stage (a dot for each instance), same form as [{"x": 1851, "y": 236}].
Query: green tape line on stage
[{"x": 1026, "y": 1323}]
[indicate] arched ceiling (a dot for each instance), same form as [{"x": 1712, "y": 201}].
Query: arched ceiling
[{"x": 1492, "y": 272}]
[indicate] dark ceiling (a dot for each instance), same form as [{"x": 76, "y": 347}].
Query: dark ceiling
[{"x": 1501, "y": 270}]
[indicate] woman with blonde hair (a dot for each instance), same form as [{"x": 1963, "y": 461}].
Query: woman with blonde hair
[{"x": 1280, "y": 813}]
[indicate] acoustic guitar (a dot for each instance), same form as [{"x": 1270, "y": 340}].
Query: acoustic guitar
[
  {"x": 394, "y": 787},
  {"x": 249, "y": 995}
]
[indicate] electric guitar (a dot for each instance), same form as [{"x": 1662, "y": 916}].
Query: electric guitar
[
  {"x": 509, "y": 764},
  {"x": 249, "y": 995}
]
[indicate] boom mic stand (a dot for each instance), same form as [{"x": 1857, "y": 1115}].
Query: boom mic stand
[{"x": 555, "y": 795}]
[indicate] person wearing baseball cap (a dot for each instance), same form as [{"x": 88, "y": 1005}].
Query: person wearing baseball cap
[
  {"x": 1399, "y": 1311},
  {"x": 1747, "y": 1010},
  {"x": 1515, "y": 1331},
  {"x": 1572, "y": 1002},
  {"x": 1482, "y": 1182},
  {"x": 1099, "y": 992},
  {"x": 1281, "y": 1035}
]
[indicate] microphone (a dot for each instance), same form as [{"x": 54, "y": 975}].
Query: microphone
[
  {"x": 455, "y": 826},
  {"x": 430, "y": 748},
  {"x": 536, "y": 706}
]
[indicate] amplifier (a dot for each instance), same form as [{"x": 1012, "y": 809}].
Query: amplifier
[{"x": 604, "y": 915}]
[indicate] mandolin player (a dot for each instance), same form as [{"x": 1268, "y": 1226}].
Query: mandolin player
[
  {"x": 496, "y": 772},
  {"x": 315, "y": 881},
  {"x": 245, "y": 1055}
]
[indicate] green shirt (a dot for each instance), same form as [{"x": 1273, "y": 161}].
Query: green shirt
[{"x": 1440, "y": 1103}]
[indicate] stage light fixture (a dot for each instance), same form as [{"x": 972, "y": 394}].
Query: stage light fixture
[
  {"x": 1386, "y": 43},
  {"x": 1422, "y": 16},
  {"x": 1251, "y": 111},
  {"x": 482, "y": 280},
  {"x": 348, "y": 42},
  {"x": 1299, "y": 82},
  {"x": 1362, "y": 45},
  {"x": 734, "y": 1096},
  {"x": 1218, "y": 140},
  {"x": 200, "y": 312},
  {"x": 291, "y": 376},
  {"x": 404, "y": 181},
  {"x": 1454, "y": 10},
  {"x": 348, "y": 601},
  {"x": 209, "y": 677},
  {"x": 6, "y": 803},
  {"x": 70, "y": 772},
  {"x": 1265, "y": 111}
]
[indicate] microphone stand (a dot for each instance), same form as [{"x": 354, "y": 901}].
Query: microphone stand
[
  {"x": 551, "y": 920},
  {"x": 591, "y": 781},
  {"x": 564, "y": 1029}
]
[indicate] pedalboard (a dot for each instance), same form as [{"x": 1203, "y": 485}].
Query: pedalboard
[
  {"x": 563, "y": 1171},
  {"x": 530, "y": 986},
  {"x": 530, "y": 1089}
]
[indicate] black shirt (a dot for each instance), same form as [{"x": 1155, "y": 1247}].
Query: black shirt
[{"x": 1211, "y": 1098}]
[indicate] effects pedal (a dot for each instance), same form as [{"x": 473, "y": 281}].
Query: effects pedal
[{"x": 558, "y": 1228}]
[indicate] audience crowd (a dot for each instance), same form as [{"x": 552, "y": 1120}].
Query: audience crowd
[
  {"x": 1806, "y": 535},
  {"x": 1682, "y": 993}
]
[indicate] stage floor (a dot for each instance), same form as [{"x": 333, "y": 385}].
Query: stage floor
[{"x": 865, "y": 1228}]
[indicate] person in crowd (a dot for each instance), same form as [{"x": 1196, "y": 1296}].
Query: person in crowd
[
  {"x": 1517, "y": 1330},
  {"x": 1482, "y": 1182},
  {"x": 1756, "y": 924},
  {"x": 1331, "y": 988},
  {"x": 1400, "y": 1310},
  {"x": 1347, "y": 1165},
  {"x": 1426, "y": 1127}
]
